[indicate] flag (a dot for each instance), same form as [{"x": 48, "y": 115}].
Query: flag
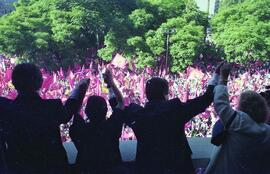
[
  {"x": 61, "y": 73},
  {"x": 119, "y": 61},
  {"x": 194, "y": 73},
  {"x": 48, "y": 80},
  {"x": 8, "y": 75},
  {"x": 71, "y": 78},
  {"x": 149, "y": 71}
]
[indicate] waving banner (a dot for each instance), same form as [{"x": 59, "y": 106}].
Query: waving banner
[{"x": 119, "y": 61}]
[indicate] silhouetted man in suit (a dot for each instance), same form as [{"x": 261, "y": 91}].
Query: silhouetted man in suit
[
  {"x": 160, "y": 129},
  {"x": 4, "y": 107},
  {"x": 34, "y": 142},
  {"x": 97, "y": 138}
]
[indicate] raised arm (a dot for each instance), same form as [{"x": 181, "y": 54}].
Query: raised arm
[
  {"x": 74, "y": 102},
  {"x": 221, "y": 96},
  {"x": 113, "y": 90},
  {"x": 198, "y": 105}
]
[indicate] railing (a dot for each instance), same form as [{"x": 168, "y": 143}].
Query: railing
[{"x": 201, "y": 147}]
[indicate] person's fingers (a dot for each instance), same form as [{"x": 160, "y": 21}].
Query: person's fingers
[
  {"x": 225, "y": 70},
  {"x": 219, "y": 66}
]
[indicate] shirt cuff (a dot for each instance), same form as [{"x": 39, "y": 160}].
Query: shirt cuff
[{"x": 214, "y": 80}]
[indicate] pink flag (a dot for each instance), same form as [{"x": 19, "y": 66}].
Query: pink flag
[
  {"x": 54, "y": 78},
  {"x": 8, "y": 75},
  {"x": 71, "y": 78},
  {"x": 61, "y": 72},
  {"x": 149, "y": 71},
  {"x": 48, "y": 80},
  {"x": 12, "y": 94}
]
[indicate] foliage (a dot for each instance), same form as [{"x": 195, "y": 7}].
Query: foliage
[
  {"x": 227, "y": 3},
  {"x": 144, "y": 36},
  {"x": 141, "y": 19},
  {"x": 242, "y": 31},
  {"x": 57, "y": 33}
]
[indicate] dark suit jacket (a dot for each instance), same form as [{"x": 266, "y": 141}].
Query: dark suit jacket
[
  {"x": 4, "y": 107},
  {"x": 34, "y": 142},
  {"x": 160, "y": 130},
  {"x": 98, "y": 145}
]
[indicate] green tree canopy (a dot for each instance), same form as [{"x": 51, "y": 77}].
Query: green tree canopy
[
  {"x": 227, "y": 3},
  {"x": 143, "y": 38},
  {"x": 54, "y": 33},
  {"x": 242, "y": 31}
]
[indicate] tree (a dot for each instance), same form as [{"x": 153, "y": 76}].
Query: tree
[
  {"x": 143, "y": 37},
  {"x": 242, "y": 31},
  {"x": 16, "y": 34},
  {"x": 58, "y": 33},
  {"x": 227, "y": 3}
]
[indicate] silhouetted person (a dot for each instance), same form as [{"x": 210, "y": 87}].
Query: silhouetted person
[
  {"x": 4, "y": 105},
  {"x": 4, "y": 110},
  {"x": 266, "y": 96},
  {"x": 34, "y": 142},
  {"x": 160, "y": 128},
  {"x": 74, "y": 102},
  {"x": 97, "y": 138}
]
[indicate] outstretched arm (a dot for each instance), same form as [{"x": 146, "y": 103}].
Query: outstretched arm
[
  {"x": 113, "y": 90},
  {"x": 221, "y": 98},
  {"x": 198, "y": 105},
  {"x": 74, "y": 102}
]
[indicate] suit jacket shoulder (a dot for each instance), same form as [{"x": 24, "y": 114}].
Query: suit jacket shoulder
[
  {"x": 4, "y": 107},
  {"x": 56, "y": 108}
]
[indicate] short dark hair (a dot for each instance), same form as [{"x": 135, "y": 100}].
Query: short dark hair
[
  {"x": 26, "y": 77},
  {"x": 156, "y": 88},
  {"x": 96, "y": 108}
]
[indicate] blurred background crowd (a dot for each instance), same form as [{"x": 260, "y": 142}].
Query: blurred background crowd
[{"x": 185, "y": 85}]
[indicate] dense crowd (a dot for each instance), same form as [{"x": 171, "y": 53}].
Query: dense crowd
[
  {"x": 184, "y": 85},
  {"x": 30, "y": 120}
]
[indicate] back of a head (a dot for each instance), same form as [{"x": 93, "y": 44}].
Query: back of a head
[
  {"x": 26, "y": 77},
  {"x": 96, "y": 108},
  {"x": 156, "y": 89},
  {"x": 266, "y": 96},
  {"x": 254, "y": 105}
]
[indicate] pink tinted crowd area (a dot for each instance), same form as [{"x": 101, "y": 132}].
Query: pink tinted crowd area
[{"x": 184, "y": 85}]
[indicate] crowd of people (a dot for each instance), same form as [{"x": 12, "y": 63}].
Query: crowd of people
[
  {"x": 160, "y": 112},
  {"x": 185, "y": 85}
]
